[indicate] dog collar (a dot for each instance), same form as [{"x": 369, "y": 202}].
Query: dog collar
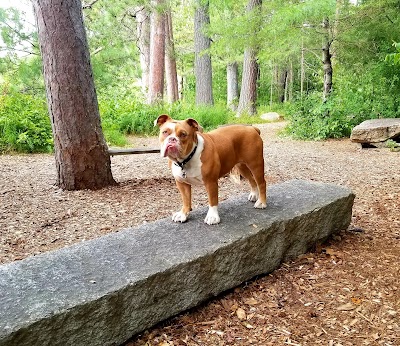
[{"x": 185, "y": 161}]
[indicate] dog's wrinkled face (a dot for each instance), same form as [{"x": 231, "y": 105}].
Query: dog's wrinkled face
[{"x": 176, "y": 137}]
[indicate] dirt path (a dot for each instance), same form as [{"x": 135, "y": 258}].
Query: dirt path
[{"x": 344, "y": 293}]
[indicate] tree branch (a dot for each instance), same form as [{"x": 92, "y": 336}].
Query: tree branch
[
  {"x": 4, "y": 49},
  {"x": 89, "y": 5}
]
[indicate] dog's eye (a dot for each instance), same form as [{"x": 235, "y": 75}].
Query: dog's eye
[
  {"x": 165, "y": 133},
  {"x": 182, "y": 134}
]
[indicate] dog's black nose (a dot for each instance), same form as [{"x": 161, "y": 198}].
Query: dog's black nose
[{"x": 172, "y": 139}]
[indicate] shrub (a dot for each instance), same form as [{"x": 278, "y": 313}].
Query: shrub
[
  {"x": 24, "y": 124},
  {"x": 131, "y": 117}
]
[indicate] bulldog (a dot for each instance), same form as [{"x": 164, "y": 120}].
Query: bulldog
[{"x": 198, "y": 158}]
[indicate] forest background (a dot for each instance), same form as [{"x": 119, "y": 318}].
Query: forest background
[{"x": 325, "y": 65}]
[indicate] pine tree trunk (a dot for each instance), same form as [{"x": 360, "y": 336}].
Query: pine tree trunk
[
  {"x": 81, "y": 153},
  {"x": 157, "y": 53},
  {"x": 170, "y": 61},
  {"x": 232, "y": 73},
  {"x": 202, "y": 64},
  {"x": 327, "y": 62},
  {"x": 143, "y": 34},
  {"x": 282, "y": 84},
  {"x": 290, "y": 83},
  {"x": 302, "y": 70},
  {"x": 248, "y": 91}
]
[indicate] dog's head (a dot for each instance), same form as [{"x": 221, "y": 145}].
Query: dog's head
[{"x": 177, "y": 136}]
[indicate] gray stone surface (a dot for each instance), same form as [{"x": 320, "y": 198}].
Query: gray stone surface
[
  {"x": 103, "y": 291},
  {"x": 376, "y": 131},
  {"x": 271, "y": 116}
]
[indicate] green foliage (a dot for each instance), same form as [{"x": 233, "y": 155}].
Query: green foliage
[
  {"x": 392, "y": 145},
  {"x": 394, "y": 58},
  {"x": 365, "y": 67},
  {"x": 369, "y": 98},
  {"x": 127, "y": 116},
  {"x": 24, "y": 124}
]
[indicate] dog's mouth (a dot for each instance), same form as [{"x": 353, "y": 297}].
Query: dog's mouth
[{"x": 171, "y": 150}]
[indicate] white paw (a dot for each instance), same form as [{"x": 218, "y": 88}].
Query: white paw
[
  {"x": 212, "y": 217},
  {"x": 259, "y": 205},
  {"x": 179, "y": 217},
  {"x": 253, "y": 196}
]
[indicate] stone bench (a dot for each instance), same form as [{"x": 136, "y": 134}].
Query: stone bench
[
  {"x": 129, "y": 151},
  {"x": 375, "y": 132},
  {"x": 103, "y": 291}
]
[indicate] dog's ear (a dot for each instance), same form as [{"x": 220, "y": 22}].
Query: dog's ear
[
  {"x": 163, "y": 118},
  {"x": 195, "y": 124}
]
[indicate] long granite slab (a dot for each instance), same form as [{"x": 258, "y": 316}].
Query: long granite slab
[{"x": 103, "y": 291}]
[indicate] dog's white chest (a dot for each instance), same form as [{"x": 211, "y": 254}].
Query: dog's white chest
[{"x": 191, "y": 171}]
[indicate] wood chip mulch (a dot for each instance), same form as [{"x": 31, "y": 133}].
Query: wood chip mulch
[{"x": 345, "y": 292}]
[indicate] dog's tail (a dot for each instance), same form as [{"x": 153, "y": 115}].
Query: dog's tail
[{"x": 257, "y": 129}]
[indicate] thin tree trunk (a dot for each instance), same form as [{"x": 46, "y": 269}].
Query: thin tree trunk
[
  {"x": 302, "y": 70},
  {"x": 282, "y": 83},
  {"x": 271, "y": 88},
  {"x": 232, "y": 73},
  {"x": 202, "y": 64},
  {"x": 327, "y": 62},
  {"x": 157, "y": 53},
  {"x": 248, "y": 91},
  {"x": 143, "y": 33},
  {"x": 290, "y": 88},
  {"x": 170, "y": 61},
  {"x": 286, "y": 93},
  {"x": 81, "y": 153}
]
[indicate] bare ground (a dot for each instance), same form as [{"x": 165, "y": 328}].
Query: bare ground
[{"x": 346, "y": 292}]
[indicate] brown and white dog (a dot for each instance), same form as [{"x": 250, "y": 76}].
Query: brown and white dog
[{"x": 198, "y": 158}]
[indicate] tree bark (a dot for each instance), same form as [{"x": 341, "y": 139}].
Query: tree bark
[
  {"x": 302, "y": 70},
  {"x": 232, "y": 73},
  {"x": 170, "y": 61},
  {"x": 202, "y": 63},
  {"x": 282, "y": 84},
  {"x": 327, "y": 62},
  {"x": 143, "y": 34},
  {"x": 248, "y": 91},
  {"x": 157, "y": 53},
  {"x": 81, "y": 155}
]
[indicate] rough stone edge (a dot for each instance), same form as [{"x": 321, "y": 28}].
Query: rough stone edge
[
  {"x": 386, "y": 127},
  {"x": 120, "y": 301}
]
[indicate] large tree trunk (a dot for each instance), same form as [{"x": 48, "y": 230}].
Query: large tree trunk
[
  {"x": 143, "y": 34},
  {"x": 232, "y": 73},
  {"x": 248, "y": 91},
  {"x": 170, "y": 61},
  {"x": 202, "y": 63},
  {"x": 81, "y": 153},
  {"x": 157, "y": 53}
]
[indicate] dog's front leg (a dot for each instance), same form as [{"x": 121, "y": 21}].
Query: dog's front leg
[
  {"x": 212, "y": 217},
  {"x": 186, "y": 195}
]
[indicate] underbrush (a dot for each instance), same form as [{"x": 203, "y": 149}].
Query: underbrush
[
  {"x": 24, "y": 124},
  {"x": 312, "y": 119},
  {"x": 128, "y": 117}
]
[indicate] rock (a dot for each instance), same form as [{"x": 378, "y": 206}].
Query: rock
[
  {"x": 271, "y": 116},
  {"x": 376, "y": 132},
  {"x": 105, "y": 290}
]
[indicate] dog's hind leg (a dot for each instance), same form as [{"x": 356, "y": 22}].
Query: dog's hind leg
[
  {"x": 246, "y": 173},
  {"x": 255, "y": 174}
]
